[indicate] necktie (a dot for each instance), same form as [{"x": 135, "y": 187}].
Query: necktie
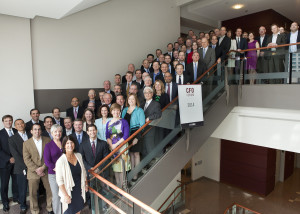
[
  {"x": 94, "y": 149},
  {"x": 79, "y": 139},
  {"x": 75, "y": 113},
  {"x": 147, "y": 70},
  {"x": 195, "y": 71},
  {"x": 213, "y": 46},
  {"x": 10, "y": 133},
  {"x": 168, "y": 91},
  {"x": 170, "y": 68},
  {"x": 127, "y": 89},
  {"x": 180, "y": 80},
  {"x": 238, "y": 44},
  {"x": 203, "y": 53},
  {"x": 146, "y": 106}
]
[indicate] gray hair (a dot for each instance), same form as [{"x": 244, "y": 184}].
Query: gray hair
[
  {"x": 55, "y": 127},
  {"x": 148, "y": 77},
  {"x": 148, "y": 89}
]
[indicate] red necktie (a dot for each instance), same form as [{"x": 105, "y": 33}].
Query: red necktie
[
  {"x": 168, "y": 91},
  {"x": 94, "y": 149}
]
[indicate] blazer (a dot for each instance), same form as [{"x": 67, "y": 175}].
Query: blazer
[
  {"x": 243, "y": 45},
  {"x": 223, "y": 48},
  {"x": 186, "y": 78},
  {"x": 279, "y": 41},
  {"x": 5, "y": 154},
  {"x": 264, "y": 43},
  {"x": 123, "y": 87},
  {"x": 86, "y": 102},
  {"x": 141, "y": 85},
  {"x": 64, "y": 132},
  {"x": 61, "y": 121},
  {"x": 209, "y": 58},
  {"x": 153, "y": 111},
  {"x": 84, "y": 137},
  {"x": 70, "y": 112},
  {"x": 288, "y": 38},
  {"x": 16, "y": 149},
  {"x": 174, "y": 90},
  {"x": 46, "y": 134},
  {"x": 144, "y": 70},
  {"x": 160, "y": 76},
  {"x": 200, "y": 70},
  {"x": 137, "y": 119},
  {"x": 32, "y": 158},
  {"x": 89, "y": 160},
  {"x": 29, "y": 125},
  {"x": 163, "y": 100}
]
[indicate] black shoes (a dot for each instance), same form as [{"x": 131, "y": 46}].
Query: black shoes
[
  {"x": 5, "y": 208},
  {"x": 51, "y": 212}
]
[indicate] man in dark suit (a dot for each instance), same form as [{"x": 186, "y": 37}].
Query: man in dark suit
[
  {"x": 75, "y": 112},
  {"x": 170, "y": 50},
  {"x": 106, "y": 86},
  {"x": 262, "y": 63},
  {"x": 182, "y": 59},
  {"x": 47, "y": 123},
  {"x": 196, "y": 68},
  {"x": 56, "y": 117},
  {"x": 7, "y": 162},
  {"x": 223, "y": 45},
  {"x": 126, "y": 85},
  {"x": 158, "y": 52},
  {"x": 241, "y": 44},
  {"x": 92, "y": 98},
  {"x": 146, "y": 66},
  {"x": 168, "y": 61},
  {"x": 156, "y": 74},
  {"x": 170, "y": 86},
  {"x": 293, "y": 37},
  {"x": 152, "y": 111},
  {"x": 68, "y": 130},
  {"x": 35, "y": 115},
  {"x": 79, "y": 134},
  {"x": 121, "y": 101},
  {"x": 276, "y": 55},
  {"x": 207, "y": 54},
  {"x": 16, "y": 149},
  {"x": 107, "y": 99},
  {"x": 138, "y": 78},
  {"x": 181, "y": 77}
]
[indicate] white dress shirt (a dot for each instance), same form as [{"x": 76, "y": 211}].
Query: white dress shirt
[
  {"x": 23, "y": 136},
  {"x": 262, "y": 40},
  {"x": 9, "y": 130},
  {"x": 147, "y": 104},
  {"x": 170, "y": 85},
  {"x": 177, "y": 78},
  {"x": 293, "y": 39},
  {"x": 95, "y": 141},
  {"x": 68, "y": 132},
  {"x": 274, "y": 39},
  {"x": 39, "y": 146}
]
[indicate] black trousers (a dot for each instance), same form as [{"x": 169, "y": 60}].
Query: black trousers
[
  {"x": 5, "y": 174},
  {"x": 22, "y": 187}
]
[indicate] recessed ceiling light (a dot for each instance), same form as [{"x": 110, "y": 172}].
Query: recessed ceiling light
[{"x": 237, "y": 6}]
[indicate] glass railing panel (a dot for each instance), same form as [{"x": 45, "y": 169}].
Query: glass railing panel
[{"x": 239, "y": 209}]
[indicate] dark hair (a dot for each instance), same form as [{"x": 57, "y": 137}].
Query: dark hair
[
  {"x": 118, "y": 75},
  {"x": 78, "y": 119},
  {"x": 18, "y": 120},
  {"x": 156, "y": 62},
  {"x": 47, "y": 117},
  {"x": 137, "y": 102},
  {"x": 138, "y": 70},
  {"x": 107, "y": 108},
  {"x": 158, "y": 50},
  {"x": 179, "y": 64},
  {"x": 7, "y": 116},
  {"x": 150, "y": 55},
  {"x": 170, "y": 44},
  {"x": 75, "y": 97},
  {"x": 64, "y": 142},
  {"x": 34, "y": 109},
  {"x": 92, "y": 125},
  {"x": 129, "y": 72},
  {"x": 55, "y": 108},
  {"x": 167, "y": 55},
  {"x": 36, "y": 124}
]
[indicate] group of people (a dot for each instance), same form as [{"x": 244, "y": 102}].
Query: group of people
[{"x": 59, "y": 151}]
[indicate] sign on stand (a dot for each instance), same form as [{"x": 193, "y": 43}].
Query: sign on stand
[{"x": 190, "y": 105}]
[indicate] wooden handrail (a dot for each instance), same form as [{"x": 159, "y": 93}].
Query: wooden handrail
[
  {"x": 172, "y": 201},
  {"x": 241, "y": 207},
  {"x": 170, "y": 196},
  {"x": 126, "y": 195}
]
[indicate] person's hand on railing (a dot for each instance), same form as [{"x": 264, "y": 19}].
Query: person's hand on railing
[
  {"x": 97, "y": 170},
  {"x": 239, "y": 50},
  {"x": 272, "y": 45},
  {"x": 135, "y": 141},
  {"x": 147, "y": 119},
  {"x": 219, "y": 60}
]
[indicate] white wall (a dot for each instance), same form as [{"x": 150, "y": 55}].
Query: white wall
[
  {"x": 206, "y": 162},
  {"x": 98, "y": 42},
  {"x": 16, "y": 88}
]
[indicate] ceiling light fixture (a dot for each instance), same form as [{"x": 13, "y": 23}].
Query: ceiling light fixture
[{"x": 237, "y": 6}]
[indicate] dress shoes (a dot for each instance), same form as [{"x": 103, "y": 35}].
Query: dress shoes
[{"x": 5, "y": 208}]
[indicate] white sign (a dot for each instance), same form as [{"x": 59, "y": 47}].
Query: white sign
[{"x": 190, "y": 105}]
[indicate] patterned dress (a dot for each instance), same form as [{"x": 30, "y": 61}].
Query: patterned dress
[{"x": 115, "y": 131}]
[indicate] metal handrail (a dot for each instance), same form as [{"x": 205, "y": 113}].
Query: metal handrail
[{"x": 240, "y": 207}]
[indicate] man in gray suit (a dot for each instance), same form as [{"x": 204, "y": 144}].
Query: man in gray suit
[{"x": 207, "y": 54}]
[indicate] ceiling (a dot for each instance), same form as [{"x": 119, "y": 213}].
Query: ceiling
[
  {"x": 211, "y": 12},
  {"x": 55, "y": 9}
]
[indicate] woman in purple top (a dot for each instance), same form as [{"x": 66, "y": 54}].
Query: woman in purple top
[
  {"x": 252, "y": 57},
  {"x": 117, "y": 130},
  {"x": 52, "y": 153}
]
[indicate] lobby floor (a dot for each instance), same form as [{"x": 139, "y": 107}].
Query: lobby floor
[{"x": 210, "y": 197}]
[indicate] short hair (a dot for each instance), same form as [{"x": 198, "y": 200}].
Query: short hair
[
  {"x": 150, "y": 55},
  {"x": 55, "y": 127},
  {"x": 135, "y": 84},
  {"x": 170, "y": 44},
  {"x": 156, "y": 62},
  {"x": 109, "y": 95},
  {"x": 274, "y": 24},
  {"x": 129, "y": 72},
  {"x": 55, "y": 108},
  {"x": 76, "y": 98},
  {"x": 7, "y": 116},
  {"x": 158, "y": 50},
  {"x": 167, "y": 55},
  {"x": 68, "y": 118},
  {"x": 91, "y": 125},
  {"x": 78, "y": 120},
  {"x": 115, "y": 106},
  {"x": 179, "y": 64},
  {"x": 138, "y": 70},
  {"x": 120, "y": 95},
  {"x": 107, "y": 108},
  {"x": 18, "y": 120},
  {"x": 148, "y": 88},
  {"x": 238, "y": 29},
  {"x": 105, "y": 81},
  {"x": 117, "y": 85},
  {"x": 64, "y": 142},
  {"x": 101, "y": 90},
  {"x": 93, "y": 115},
  {"x": 117, "y": 75},
  {"x": 148, "y": 77},
  {"x": 36, "y": 124},
  {"x": 47, "y": 117},
  {"x": 163, "y": 63},
  {"x": 35, "y": 109},
  {"x": 162, "y": 85}
]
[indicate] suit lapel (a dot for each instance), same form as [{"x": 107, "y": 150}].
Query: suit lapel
[{"x": 33, "y": 146}]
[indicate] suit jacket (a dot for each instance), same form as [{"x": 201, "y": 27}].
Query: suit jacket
[
  {"x": 279, "y": 41},
  {"x": 288, "y": 38},
  {"x": 16, "y": 149},
  {"x": 186, "y": 78},
  {"x": 143, "y": 69},
  {"x": 243, "y": 44},
  {"x": 88, "y": 157},
  {"x": 5, "y": 154},
  {"x": 29, "y": 125},
  {"x": 200, "y": 70},
  {"x": 209, "y": 58},
  {"x": 84, "y": 138},
  {"x": 174, "y": 90},
  {"x": 46, "y": 134},
  {"x": 140, "y": 84},
  {"x": 223, "y": 48},
  {"x": 264, "y": 43},
  {"x": 64, "y": 133},
  {"x": 157, "y": 77},
  {"x": 70, "y": 112},
  {"x": 32, "y": 158},
  {"x": 123, "y": 87},
  {"x": 164, "y": 100},
  {"x": 153, "y": 111},
  {"x": 61, "y": 120}
]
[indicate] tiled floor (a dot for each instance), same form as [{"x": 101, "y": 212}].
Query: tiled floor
[{"x": 210, "y": 197}]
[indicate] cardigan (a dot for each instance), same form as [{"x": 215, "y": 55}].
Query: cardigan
[
  {"x": 101, "y": 128},
  {"x": 64, "y": 176},
  {"x": 51, "y": 155},
  {"x": 137, "y": 119}
]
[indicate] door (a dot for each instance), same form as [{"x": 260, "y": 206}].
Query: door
[{"x": 289, "y": 164}]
